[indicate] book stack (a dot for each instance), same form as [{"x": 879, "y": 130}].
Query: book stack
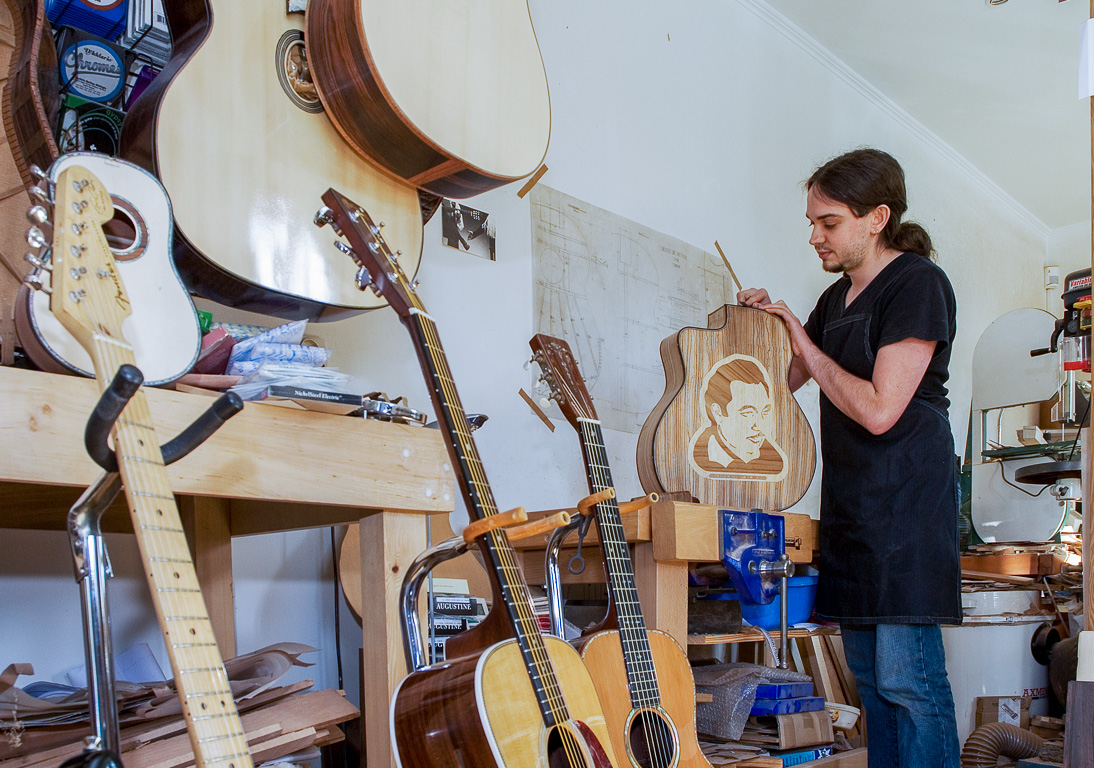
[{"x": 451, "y": 614}]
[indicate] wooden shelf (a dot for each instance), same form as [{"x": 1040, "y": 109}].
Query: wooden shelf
[{"x": 754, "y": 635}]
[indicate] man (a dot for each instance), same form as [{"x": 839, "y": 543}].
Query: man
[
  {"x": 741, "y": 414},
  {"x": 878, "y": 344}
]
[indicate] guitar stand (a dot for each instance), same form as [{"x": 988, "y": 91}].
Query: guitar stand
[
  {"x": 517, "y": 527},
  {"x": 90, "y": 558},
  {"x": 586, "y": 507}
]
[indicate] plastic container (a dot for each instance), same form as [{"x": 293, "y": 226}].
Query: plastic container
[
  {"x": 802, "y": 591},
  {"x": 843, "y": 716}
]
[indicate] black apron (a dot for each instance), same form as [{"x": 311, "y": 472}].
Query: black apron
[{"x": 888, "y": 524}]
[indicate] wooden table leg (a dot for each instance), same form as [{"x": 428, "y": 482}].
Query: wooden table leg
[
  {"x": 663, "y": 589},
  {"x": 208, "y": 530},
  {"x": 390, "y": 540}
]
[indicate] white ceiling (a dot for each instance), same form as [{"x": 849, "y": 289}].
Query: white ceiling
[{"x": 998, "y": 83}]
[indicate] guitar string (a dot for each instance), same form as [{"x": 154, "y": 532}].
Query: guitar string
[
  {"x": 637, "y": 654},
  {"x": 530, "y": 634},
  {"x": 145, "y": 479}
]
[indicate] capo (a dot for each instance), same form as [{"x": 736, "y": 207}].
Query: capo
[
  {"x": 483, "y": 526},
  {"x": 537, "y": 527},
  {"x": 115, "y": 397}
]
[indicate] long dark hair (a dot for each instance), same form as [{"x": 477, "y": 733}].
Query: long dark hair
[{"x": 863, "y": 179}]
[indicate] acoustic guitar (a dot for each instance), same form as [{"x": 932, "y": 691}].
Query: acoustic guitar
[
  {"x": 91, "y": 302},
  {"x": 727, "y": 431},
  {"x": 524, "y": 701},
  {"x": 162, "y": 326},
  {"x": 234, "y": 130},
  {"x": 655, "y": 725},
  {"x": 450, "y": 96}
]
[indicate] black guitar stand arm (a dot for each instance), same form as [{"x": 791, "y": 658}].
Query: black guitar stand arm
[{"x": 89, "y": 551}]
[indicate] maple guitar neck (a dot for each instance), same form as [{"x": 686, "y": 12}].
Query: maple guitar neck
[{"x": 90, "y": 300}]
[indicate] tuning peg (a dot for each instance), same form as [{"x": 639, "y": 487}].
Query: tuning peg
[
  {"x": 39, "y": 194},
  {"x": 364, "y": 279},
  {"x": 43, "y": 261},
  {"x": 37, "y": 214},
  {"x": 38, "y": 173},
  {"x": 34, "y": 280},
  {"x": 36, "y": 237}
]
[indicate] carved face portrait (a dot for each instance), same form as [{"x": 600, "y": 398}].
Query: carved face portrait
[{"x": 737, "y": 436}]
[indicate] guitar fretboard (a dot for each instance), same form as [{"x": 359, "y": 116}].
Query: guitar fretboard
[
  {"x": 480, "y": 502},
  {"x": 637, "y": 656},
  {"x": 216, "y": 734}
]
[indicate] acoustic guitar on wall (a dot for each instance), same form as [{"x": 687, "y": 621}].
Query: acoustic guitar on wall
[
  {"x": 234, "y": 130},
  {"x": 524, "y": 701},
  {"x": 91, "y": 302},
  {"x": 654, "y": 724},
  {"x": 450, "y": 96}
]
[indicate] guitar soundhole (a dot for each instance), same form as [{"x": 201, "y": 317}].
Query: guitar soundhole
[
  {"x": 653, "y": 741},
  {"x": 564, "y": 749},
  {"x": 293, "y": 72},
  {"x": 126, "y": 233}
]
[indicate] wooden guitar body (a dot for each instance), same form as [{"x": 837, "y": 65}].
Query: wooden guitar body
[
  {"x": 163, "y": 326},
  {"x": 728, "y": 430},
  {"x": 602, "y": 653},
  {"x": 481, "y": 711},
  {"x": 227, "y": 128},
  {"x": 451, "y": 96}
]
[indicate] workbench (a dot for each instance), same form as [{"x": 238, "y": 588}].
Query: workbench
[
  {"x": 268, "y": 469},
  {"x": 664, "y": 538}
]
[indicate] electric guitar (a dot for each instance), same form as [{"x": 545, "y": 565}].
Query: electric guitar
[
  {"x": 233, "y": 129},
  {"x": 91, "y": 302},
  {"x": 162, "y": 326},
  {"x": 450, "y": 96},
  {"x": 524, "y": 701},
  {"x": 655, "y": 725}
]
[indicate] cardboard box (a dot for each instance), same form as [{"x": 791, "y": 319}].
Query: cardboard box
[
  {"x": 801, "y": 729},
  {"x": 1003, "y": 709},
  {"x": 856, "y": 758}
]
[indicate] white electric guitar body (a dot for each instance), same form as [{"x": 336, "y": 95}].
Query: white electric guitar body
[{"x": 163, "y": 327}]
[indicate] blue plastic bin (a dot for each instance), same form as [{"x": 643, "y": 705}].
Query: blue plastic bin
[{"x": 802, "y": 591}]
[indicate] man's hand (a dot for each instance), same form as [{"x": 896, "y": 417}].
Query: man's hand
[
  {"x": 799, "y": 339},
  {"x": 753, "y": 297}
]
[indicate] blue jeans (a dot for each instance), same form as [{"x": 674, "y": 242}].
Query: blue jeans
[{"x": 900, "y": 671}]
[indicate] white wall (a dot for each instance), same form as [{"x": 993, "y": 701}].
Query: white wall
[{"x": 698, "y": 119}]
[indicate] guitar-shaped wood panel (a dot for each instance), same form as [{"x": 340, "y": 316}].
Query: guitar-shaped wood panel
[
  {"x": 162, "y": 326},
  {"x": 655, "y": 725},
  {"x": 91, "y": 302},
  {"x": 526, "y": 701},
  {"x": 233, "y": 129},
  {"x": 728, "y": 430},
  {"x": 451, "y": 96}
]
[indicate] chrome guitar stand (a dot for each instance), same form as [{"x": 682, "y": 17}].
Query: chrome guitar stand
[{"x": 89, "y": 552}]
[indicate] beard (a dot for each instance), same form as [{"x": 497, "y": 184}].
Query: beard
[{"x": 848, "y": 259}]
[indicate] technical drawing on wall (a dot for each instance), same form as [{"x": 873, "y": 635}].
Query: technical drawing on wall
[{"x": 614, "y": 289}]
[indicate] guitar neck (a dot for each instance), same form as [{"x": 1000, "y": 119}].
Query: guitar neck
[
  {"x": 637, "y": 656},
  {"x": 216, "y": 734},
  {"x": 495, "y": 545}
]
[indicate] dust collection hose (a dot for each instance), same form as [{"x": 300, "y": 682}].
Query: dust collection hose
[{"x": 994, "y": 740}]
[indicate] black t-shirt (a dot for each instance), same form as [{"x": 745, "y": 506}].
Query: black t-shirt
[{"x": 889, "y": 502}]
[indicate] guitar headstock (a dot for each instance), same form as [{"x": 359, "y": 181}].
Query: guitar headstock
[
  {"x": 379, "y": 266},
  {"x": 560, "y": 373},
  {"x": 87, "y": 295}
]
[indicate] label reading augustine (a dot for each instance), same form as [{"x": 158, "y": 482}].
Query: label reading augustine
[{"x": 93, "y": 71}]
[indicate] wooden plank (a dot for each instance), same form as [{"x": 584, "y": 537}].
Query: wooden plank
[
  {"x": 1012, "y": 563},
  {"x": 263, "y": 453},
  {"x": 755, "y": 636},
  {"x": 1078, "y": 735},
  {"x": 663, "y": 591},
  {"x": 822, "y": 679},
  {"x": 207, "y": 526}
]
